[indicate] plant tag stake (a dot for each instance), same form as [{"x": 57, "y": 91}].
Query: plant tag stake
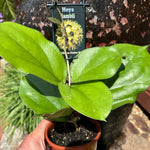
[{"x": 74, "y": 20}]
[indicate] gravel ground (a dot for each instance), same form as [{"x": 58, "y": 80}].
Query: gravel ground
[{"x": 136, "y": 132}]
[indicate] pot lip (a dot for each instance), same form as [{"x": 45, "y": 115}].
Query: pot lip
[{"x": 51, "y": 126}]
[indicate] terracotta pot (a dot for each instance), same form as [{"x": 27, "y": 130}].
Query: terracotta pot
[{"x": 88, "y": 146}]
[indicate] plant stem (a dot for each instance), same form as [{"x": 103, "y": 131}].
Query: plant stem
[
  {"x": 65, "y": 45},
  {"x": 76, "y": 126}
]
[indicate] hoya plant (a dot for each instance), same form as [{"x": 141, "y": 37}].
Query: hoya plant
[{"x": 99, "y": 80}]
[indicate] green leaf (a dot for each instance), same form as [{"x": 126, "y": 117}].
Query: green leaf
[
  {"x": 27, "y": 50},
  {"x": 132, "y": 81},
  {"x": 59, "y": 115},
  {"x": 94, "y": 64},
  {"x": 93, "y": 100},
  {"x": 34, "y": 94},
  {"x": 129, "y": 51},
  {"x": 54, "y": 20},
  {"x": 135, "y": 78}
]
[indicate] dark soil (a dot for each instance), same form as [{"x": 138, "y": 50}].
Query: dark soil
[{"x": 65, "y": 134}]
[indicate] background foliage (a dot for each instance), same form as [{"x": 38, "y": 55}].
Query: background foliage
[
  {"x": 8, "y": 9},
  {"x": 12, "y": 108}
]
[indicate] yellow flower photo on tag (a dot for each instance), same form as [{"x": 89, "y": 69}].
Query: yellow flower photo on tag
[{"x": 74, "y": 35}]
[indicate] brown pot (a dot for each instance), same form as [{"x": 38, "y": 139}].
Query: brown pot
[{"x": 88, "y": 146}]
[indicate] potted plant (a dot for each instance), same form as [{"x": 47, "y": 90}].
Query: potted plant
[{"x": 99, "y": 80}]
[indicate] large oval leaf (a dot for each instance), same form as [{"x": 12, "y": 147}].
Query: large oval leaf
[
  {"x": 92, "y": 99},
  {"x": 95, "y": 63},
  {"x": 27, "y": 49},
  {"x": 130, "y": 51},
  {"x": 43, "y": 98},
  {"x": 132, "y": 81}
]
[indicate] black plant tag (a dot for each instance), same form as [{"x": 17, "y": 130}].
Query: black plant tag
[{"x": 74, "y": 21}]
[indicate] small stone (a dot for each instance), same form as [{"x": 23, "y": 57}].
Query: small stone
[{"x": 149, "y": 138}]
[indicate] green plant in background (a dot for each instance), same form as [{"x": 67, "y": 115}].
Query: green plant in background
[
  {"x": 8, "y": 9},
  {"x": 12, "y": 108},
  {"x": 99, "y": 80}
]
